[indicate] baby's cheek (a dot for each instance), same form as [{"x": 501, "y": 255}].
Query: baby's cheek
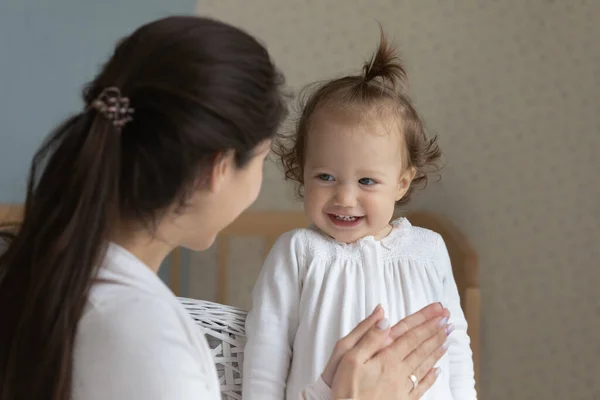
[{"x": 382, "y": 209}]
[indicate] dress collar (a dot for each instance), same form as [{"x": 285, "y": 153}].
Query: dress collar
[{"x": 399, "y": 227}]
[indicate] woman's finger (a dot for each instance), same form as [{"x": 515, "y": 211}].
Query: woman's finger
[
  {"x": 351, "y": 339},
  {"x": 427, "y": 348},
  {"x": 425, "y": 384},
  {"x": 373, "y": 341},
  {"x": 348, "y": 342},
  {"x": 427, "y": 365},
  {"x": 412, "y": 340},
  {"x": 425, "y": 314}
]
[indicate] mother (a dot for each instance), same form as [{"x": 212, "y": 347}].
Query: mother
[{"x": 167, "y": 152}]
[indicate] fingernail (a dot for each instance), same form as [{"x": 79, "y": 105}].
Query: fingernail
[
  {"x": 445, "y": 345},
  {"x": 377, "y": 308},
  {"x": 438, "y": 371},
  {"x": 383, "y": 324},
  {"x": 443, "y": 322},
  {"x": 449, "y": 329}
]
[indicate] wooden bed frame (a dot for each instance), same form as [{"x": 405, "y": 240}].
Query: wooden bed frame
[{"x": 268, "y": 225}]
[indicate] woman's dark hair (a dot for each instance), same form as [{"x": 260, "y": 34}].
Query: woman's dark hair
[
  {"x": 199, "y": 88},
  {"x": 382, "y": 83}
]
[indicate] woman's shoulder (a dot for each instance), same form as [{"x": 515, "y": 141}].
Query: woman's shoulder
[
  {"x": 133, "y": 336},
  {"x": 123, "y": 315}
]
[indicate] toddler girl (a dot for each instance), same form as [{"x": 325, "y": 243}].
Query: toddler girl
[{"x": 359, "y": 150}]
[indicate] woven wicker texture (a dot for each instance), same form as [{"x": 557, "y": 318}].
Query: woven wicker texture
[{"x": 223, "y": 327}]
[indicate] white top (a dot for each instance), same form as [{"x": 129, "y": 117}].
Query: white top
[
  {"x": 136, "y": 341},
  {"x": 312, "y": 291}
]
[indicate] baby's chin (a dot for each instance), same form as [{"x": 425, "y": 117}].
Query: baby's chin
[
  {"x": 354, "y": 234},
  {"x": 343, "y": 236}
]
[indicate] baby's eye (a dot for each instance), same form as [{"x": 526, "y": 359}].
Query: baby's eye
[
  {"x": 367, "y": 181},
  {"x": 326, "y": 177}
]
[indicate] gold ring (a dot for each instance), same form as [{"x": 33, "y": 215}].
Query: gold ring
[{"x": 414, "y": 381}]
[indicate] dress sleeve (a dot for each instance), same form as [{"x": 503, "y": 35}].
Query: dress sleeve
[
  {"x": 273, "y": 320},
  {"x": 462, "y": 380},
  {"x": 317, "y": 391}
]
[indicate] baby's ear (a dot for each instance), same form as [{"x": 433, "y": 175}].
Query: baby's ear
[{"x": 404, "y": 182}]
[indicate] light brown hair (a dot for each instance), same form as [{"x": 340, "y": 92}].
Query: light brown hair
[{"x": 382, "y": 83}]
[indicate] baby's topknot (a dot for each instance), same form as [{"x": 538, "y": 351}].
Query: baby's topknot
[
  {"x": 382, "y": 85},
  {"x": 386, "y": 66}
]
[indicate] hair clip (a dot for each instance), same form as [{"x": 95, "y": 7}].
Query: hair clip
[{"x": 115, "y": 107}]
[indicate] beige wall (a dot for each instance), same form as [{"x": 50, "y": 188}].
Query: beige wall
[{"x": 513, "y": 88}]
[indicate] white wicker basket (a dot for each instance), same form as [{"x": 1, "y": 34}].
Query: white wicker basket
[{"x": 223, "y": 327}]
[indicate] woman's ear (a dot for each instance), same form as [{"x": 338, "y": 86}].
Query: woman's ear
[
  {"x": 221, "y": 168},
  {"x": 404, "y": 182}
]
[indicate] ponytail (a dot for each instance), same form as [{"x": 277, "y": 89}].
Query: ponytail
[
  {"x": 213, "y": 90},
  {"x": 51, "y": 260}
]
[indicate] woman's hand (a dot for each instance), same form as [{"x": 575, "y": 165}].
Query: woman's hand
[
  {"x": 367, "y": 362},
  {"x": 348, "y": 342}
]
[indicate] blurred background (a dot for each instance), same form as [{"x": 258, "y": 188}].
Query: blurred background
[{"x": 511, "y": 87}]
